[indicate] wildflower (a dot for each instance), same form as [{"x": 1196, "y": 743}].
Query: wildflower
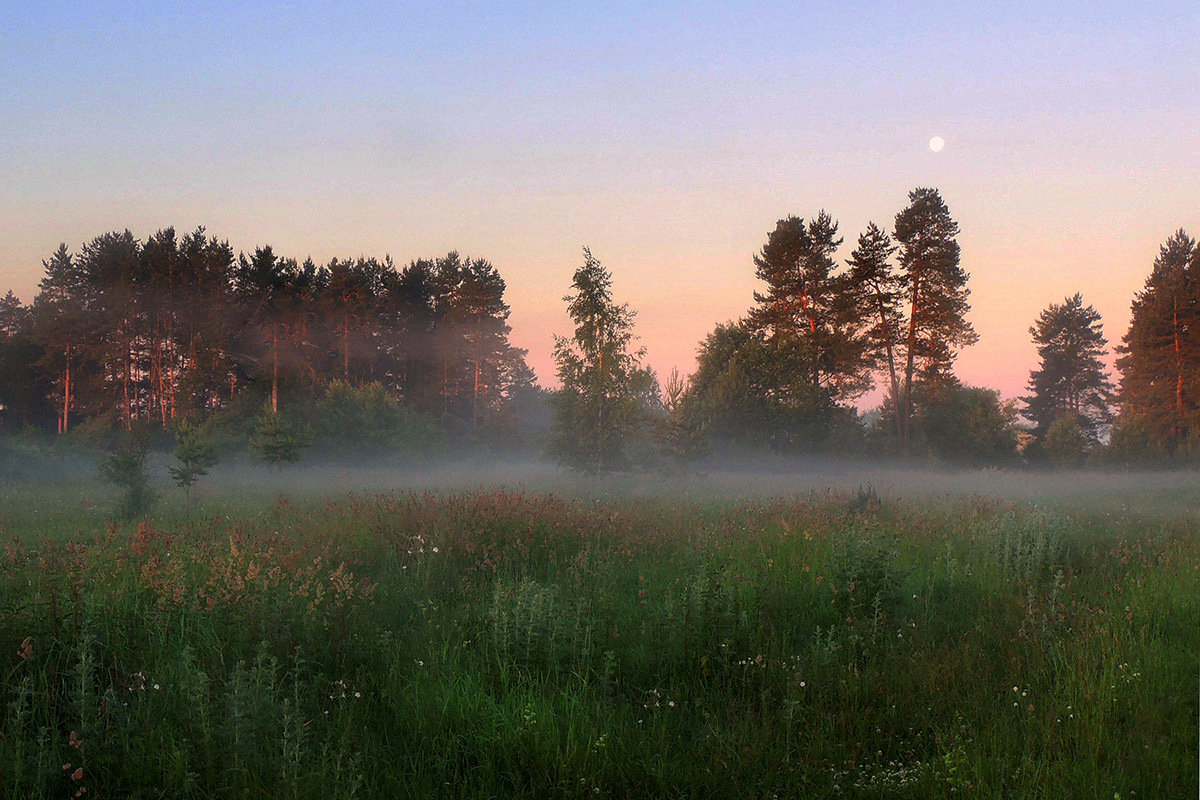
[
  {"x": 77, "y": 775},
  {"x": 435, "y": 549},
  {"x": 157, "y": 687},
  {"x": 26, "y": 650},
  {"x": 74, "y": 740}
]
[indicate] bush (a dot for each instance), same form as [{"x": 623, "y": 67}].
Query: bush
[
  {"x": 126, "y": 469},
  {"x": 968, "y": 424},
  {"x": 368, "y": 418},
  {"x": 276, "y": 439},
  {"x": 1066, "y": 443},
  {"x": 1133, "y": 443}
]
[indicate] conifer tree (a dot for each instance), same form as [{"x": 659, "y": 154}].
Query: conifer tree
[
  {"x": 1071, "y": 380},
  {"x": 61, "y": 326},
  {"x": 806, "y": 309},
  {"x": 195, "y": 457},
  {"x": 878, "y": 292},
  {"x": 1160, "y": 354},
  {"x": 276, "y": 440},
  {"x": 935, "y": 297}
]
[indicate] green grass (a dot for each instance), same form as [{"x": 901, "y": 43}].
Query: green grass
[{"x": 510, "y": 644}]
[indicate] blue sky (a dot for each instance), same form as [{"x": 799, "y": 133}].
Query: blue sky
[{"x": 666, "y": 136}]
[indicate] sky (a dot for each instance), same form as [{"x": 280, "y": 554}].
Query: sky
[{"x": 667, "y": 137}]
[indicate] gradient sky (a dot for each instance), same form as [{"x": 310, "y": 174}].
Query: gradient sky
[{"x": 668, "y": 137}]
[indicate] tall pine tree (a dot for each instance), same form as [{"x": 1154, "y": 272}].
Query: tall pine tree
[
  {"x": 878, "y": 292},
  {"x": 1160, "y": 354},
  {"x": 805, "y": 311},
  {"x": 935, "y": 296}
]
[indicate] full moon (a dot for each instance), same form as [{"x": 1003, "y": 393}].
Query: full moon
[{"x": 936, "y": 144}]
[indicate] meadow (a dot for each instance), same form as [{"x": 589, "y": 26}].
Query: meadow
[{"x": 752, "y": 636}]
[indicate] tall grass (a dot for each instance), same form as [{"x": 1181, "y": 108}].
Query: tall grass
[{"x": 488, "y": 644}]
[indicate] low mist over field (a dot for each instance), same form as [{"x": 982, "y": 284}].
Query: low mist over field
[
  {"x": 1150, "y": 493},
  {"x": 804, "y": 629},
  {"x": 1170, "y": 491},
  {"x": 628, "y": 400}
]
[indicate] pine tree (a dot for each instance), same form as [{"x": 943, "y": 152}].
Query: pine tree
[
  {"x": 195, "y": 457},
  {"x": 63, "y": 328},
  {"x": 935, "y": 290},
  {"x": 807, "y": 308},
  {"x": 1071, "y": 380},
  {"x": 879, "y": 291},
  {"x": 206, "y": 324},
  {"x": 601, "y": 401},
  {"x": 1160, "y": 361},
  {"x": 126, "y": 469},
  {"x": 276, "y": 440},
  {"x": 23, "y": 390}
]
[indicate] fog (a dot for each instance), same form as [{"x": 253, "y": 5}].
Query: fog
[
  {"x": 70, "y": 484},
  {"x": 1172, "y": 492}
]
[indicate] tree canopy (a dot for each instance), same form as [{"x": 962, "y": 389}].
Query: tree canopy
[
  {"x": 1160, "y": 353},
  {"x": 1071, "y": 379},
  {"x": 130, "y": 332},
  {"x": 605, "y": 389}
]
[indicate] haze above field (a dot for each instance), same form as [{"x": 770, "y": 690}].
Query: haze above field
[{"x": 668, "y": 137}]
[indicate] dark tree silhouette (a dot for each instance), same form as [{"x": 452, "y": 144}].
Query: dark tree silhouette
[
  {"x": 935, "y": 291},
  {"x": 1070, "y": 380},
  {"x": 1160, "y": 354}
]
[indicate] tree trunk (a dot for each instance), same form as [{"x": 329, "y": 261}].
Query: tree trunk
[
  {"x": 906, "y": 415},
  {"x": 125, "y": 376},
  {"x": 65, "y": 422},
  {"x": 275, "y": 367},
  {"x": 346, "y": 346},
  {"x": 889, "y": 346},
  {"x": 475, "y": 399},
  {"x": 1178, "y": 366}
]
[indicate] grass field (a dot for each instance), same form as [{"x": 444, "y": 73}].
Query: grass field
[{"x": 721, "y": 639}]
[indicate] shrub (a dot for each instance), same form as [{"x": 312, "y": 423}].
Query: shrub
[
  {"x": 1066, "y": 443},
  {"x": 127, "y": 470}
]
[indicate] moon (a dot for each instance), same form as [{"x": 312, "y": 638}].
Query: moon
[{"x": 936, "y": 144}]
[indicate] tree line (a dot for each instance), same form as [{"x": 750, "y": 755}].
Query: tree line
[
  {"x": 820, "y": 334},
  {"x": 128, "y": 333}
]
